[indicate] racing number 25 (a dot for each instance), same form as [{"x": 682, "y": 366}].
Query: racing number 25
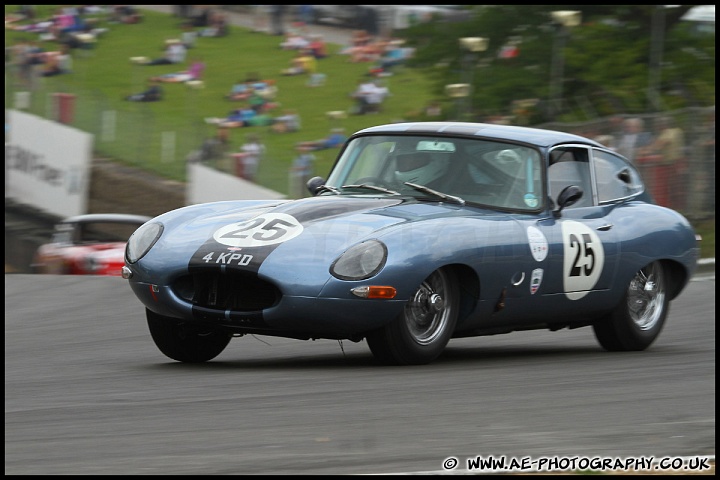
[
  {"x": 583, "y": 250},
  {"x": 261, "y": 229},
  {"x": 266, "y": 229}
]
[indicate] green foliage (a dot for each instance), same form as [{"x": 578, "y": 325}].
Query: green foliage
[{"x": 606, "y": 58}]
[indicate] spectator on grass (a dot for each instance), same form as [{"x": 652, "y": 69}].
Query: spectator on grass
[
  {"x": 30, "y": 56},
  {"x": 294, "y": 41},
  {"x": 365, "y": 86},
  {"x": 194, "y": 72},
  {"x": 242, "y": 117},
  {"x": 303, "y": 63},
  {"x": 251, "y": 155},
  {"x": 393, "y": 56},
  {"x": 175, "y": 52},
  {"x": 57, "y": 63},
  {"x": 189, "y": 35},
  {"x": 335, "y": 139},
  {"x": 152, "y": 94},
  {"x": 202, "y": 19},
  {"x": 64, "y": 21},
  {"x": 240, "y": 90},
  {"x": 124, "y": 14},
  {"x": 243, "y": 89},
  {"x": 27, "y": 12},
  {"x": 369, "y": 97},
  {"x": 217, "y": 27},
  {"x": 288, "y": 122},
  {"x": 302, "y": 166},
  {"x": 318, "y": 46}
]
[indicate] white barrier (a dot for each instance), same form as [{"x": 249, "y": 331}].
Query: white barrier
[
  {"x": 47, "y": 164},
  {"x": 205, "y": 184}
]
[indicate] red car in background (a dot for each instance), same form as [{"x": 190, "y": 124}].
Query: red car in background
[{"x": 92, "y": 244}]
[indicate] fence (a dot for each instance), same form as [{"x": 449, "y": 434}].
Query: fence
[
  {"x": 134, "y": 136},
  {"x": 131, "y": 133},
  {"x": 685, "y": 183}
]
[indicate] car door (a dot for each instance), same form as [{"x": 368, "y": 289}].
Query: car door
[{"x": 581, "y": 241}]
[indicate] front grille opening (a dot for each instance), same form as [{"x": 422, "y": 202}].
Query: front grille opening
[{"x": 227, "y": 291}]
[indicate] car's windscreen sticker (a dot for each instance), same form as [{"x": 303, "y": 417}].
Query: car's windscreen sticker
[{"x": 583, "y": 259}]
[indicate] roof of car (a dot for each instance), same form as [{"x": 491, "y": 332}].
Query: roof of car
[
  {"x": 533, "y": 136},
  {"x": 106, "y": 217}
]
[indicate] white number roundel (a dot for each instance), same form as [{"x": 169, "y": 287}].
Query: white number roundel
[
  {"x": 265, "y": 229},
  {"x": 583, "y": 260}
]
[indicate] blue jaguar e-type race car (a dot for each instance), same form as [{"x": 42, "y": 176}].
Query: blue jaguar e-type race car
[{"x": 421, "y": 233}]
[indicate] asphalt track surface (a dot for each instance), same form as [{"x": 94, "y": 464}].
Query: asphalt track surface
[{"x": 87, "y": 393}]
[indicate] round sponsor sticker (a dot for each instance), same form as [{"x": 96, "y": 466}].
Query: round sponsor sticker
[
  {"x": 265, "y": 229},
  {"x": 538, "y": 243}
]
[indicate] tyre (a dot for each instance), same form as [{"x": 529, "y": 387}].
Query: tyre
[
  {"x": 184, "y": 342},
  {"x": 420, "y": 333},
  {"x": 636, "y": 322}
]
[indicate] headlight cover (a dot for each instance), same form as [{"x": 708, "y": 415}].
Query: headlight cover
[
  {"x": 360, "y": 261},
  {"x": 142, "y": 240}
]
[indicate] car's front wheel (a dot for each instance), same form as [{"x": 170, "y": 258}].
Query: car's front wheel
[
  {"x": 183, "y": 342},
  {"x": 637, "y": 321},
  {"x": 420, "y": 333}
]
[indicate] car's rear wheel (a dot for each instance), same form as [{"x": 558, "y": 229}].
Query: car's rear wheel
[
  {"x": 184, "y": 342},
  {"x": 637, "y": 321},
  {"x": 420, "y": 333}
]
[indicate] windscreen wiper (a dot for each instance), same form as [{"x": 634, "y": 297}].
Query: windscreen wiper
[
  {"x": 328, "y": 188},
  {"x": 429, "y": 190},
  {"x": 372, "y": 187}
]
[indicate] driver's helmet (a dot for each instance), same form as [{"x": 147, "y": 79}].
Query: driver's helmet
[
  {"x": 508, "y": 156},
  {"x": 419, "y": 167}
]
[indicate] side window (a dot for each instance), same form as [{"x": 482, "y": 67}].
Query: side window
[
  {"x": 616, "y": 178},
  {"x": 570, "y": 166}
]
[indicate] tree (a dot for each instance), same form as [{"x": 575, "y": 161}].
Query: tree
[{"x": 607, "y": 59}]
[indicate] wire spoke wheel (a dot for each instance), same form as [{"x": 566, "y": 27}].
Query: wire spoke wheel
[
  {"x": 420, "y": 333},
  {"x": 646, "y": 297},
  {"x": 637, "y": 321}
]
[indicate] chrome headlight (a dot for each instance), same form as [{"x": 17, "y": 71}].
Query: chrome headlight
[
  {"x": 142, "y": 240},
  {"x": 360, "y": 261}
]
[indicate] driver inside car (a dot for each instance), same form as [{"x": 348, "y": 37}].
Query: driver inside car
[{"x": 420, "y": 168}]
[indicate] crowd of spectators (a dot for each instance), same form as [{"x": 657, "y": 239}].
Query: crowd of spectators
[
  {"x": 258, "y": 96},
  {"x": 69, "y": 28},
  {"x": 658, "y": 148}
]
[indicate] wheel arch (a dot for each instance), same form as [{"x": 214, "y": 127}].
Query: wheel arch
[
  {"x": 676, "y": 277},
  {"x": 469, "y": 292}
]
